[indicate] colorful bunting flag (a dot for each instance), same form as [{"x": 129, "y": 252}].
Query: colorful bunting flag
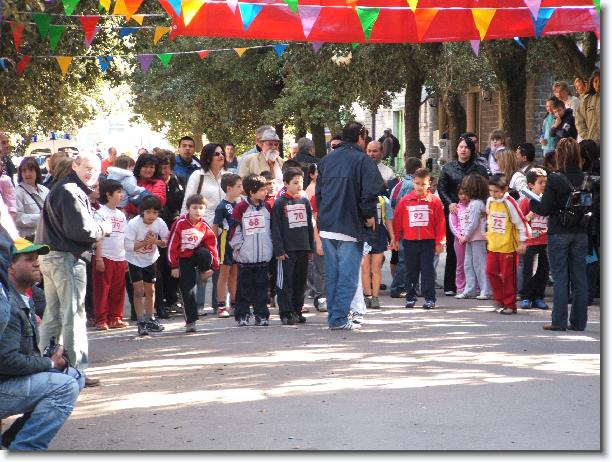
[
  {"x": 55, "y": 34},
  {"x": 423, "y": 19},
  {"x": 520, "y": 43},
  {"x": 21, "y": 65},
  {"x": 534, "y": 6},
  {"x": 293, "y": 5},
  {"x": 248, "y": 13},
  {"x": 139, "y": 18},
  {"x": 232, "y": 4},
  {"x": 104, "y": 62},
  {"x": 475, "y": 47},
  {"x": 3, "y": 62},
  {"x": 145, "y": 62},
  {"x": 240, "y": 51},
  {"x": 17, "y": 29},
  {"x": 308, "y": 15},
  {"x": 351, "y": 3},
  {"x": 596, "y": 22},
  {"x": 160, "y": 31},
  {"x": 367, "y": 17},
  {"x": 176, "y": 6},
  {"x": 104, "y": 5},
  {"x": 70, "y": 6},
  {"x": 202, "y": 53},
  {"x": 64, "y": 63},
  {"x": 165, "y": 58},
  {"x": 125, "y": 31},
  {"x": 597, "y": 5},
  {"x": 190, "y": 9},
  {"x": 355, "y": 45},
  {"x": 413, "y": 4},
  {"x": 42, "y": 21},
  {"x": 316, "y": 46},
  {"x": 89, "y": 25},
  {"x": 280, "y": 49},
  {"x": 482, "y": 19},
  {"x": 120, "y": 8},
  {"x": 540, "y": 23},
  {"x": 131, "y": 7}
]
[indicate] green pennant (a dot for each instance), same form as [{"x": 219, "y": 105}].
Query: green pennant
[
  {"x": 165, "y": 58},
  {"x": 355, "y": 45},
  {"x": 70, "y": 6},
  {"x": 293, "y": 5},
  {"x": 596, "y": 3},
  {"x": 367, "y": 17},
  {"x": 55, "y": 34},
  {"x": 42, "y": 21}
]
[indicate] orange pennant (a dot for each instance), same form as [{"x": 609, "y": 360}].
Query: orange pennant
[
  {"x": 160, "y": 31},
  {"x": 423, "y": 19},
  {"x": 482, "y": 19},
  {"x": 64, "y": 63},
  {"x": 190, "y": 9},
  {"x": 131, "y": 7},
  {"x": 240, "y": 51},
  {"x": 413, "y": 4},
  {"x": 139, "y": 18}
]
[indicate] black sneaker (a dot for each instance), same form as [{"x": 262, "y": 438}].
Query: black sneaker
[
  {"x": 410, "y": 303},
  {"x": 153, "y": 325},
  {"x": 299, "y": 318},
  {"x": 142, "y": 328},
  {"x": 261, "y": 321},
  {"x": 287, "y": 320},
  {"x": 429, "y": 305}
]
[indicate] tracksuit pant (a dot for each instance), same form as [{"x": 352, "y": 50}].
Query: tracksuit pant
[
  {"x": 109, "y": 291},
  {"x": 291, "y": 277},
  {"x": 534, "y": 283},
  {"x": 475, "y": 268},
  {"x": 252, "y": 289},
  {"x": 501, "y": 271},
  {"x": 419, "y": 257},
  {"x": 460, "y": 258},
  {"x": 190, "y": 269}
]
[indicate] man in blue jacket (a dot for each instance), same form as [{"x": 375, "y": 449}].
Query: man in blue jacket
[
  {"x": 186, "y": 163},
  {"x": 347, "y": 192}
]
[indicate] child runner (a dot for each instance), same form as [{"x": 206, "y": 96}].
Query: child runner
[
  {"x": 507, "y": 231},
  {"x": 192, "y": 253},
  {"x": 458, "y": 223},
  {"x": 110, "y": 264},
  {"x": 419, "y": 222},
  {"x": 293, "y": 242},
  {"x": 143, "y": 235},
  {"x": 231, "y": 184},
  {"x": 252, "y": 249}
]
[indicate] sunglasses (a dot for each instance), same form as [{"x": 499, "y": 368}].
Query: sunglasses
[{"x": 219, "y": 154}]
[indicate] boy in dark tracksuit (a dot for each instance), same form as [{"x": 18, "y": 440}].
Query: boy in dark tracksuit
[{"x": 293, "y": 242}]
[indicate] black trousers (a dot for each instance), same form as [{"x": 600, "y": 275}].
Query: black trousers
[
  {"x": 450, "y": 270},
  {"x": 166, "y": 287},
  {"x": 291, "y": 282},
  {"x": 419, "y": 257},
  {"x": 534, "y": 284},
  {"x": 252, "y": 290},
  {"x": 190, "y": 269}
]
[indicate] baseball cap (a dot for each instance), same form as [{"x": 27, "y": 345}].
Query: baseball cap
[
  {"x": 21, "y": 245},
  {"x": 387, "y": 130},
  {"x": 269, "y": 135}
]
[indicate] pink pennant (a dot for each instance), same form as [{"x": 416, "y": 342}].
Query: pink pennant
[
  {"x": 534, "y": 6},
  {"x": 202, "y": 53},
  {"x": 89, "y": 26},
  {"x": 232, "y": 5},
  {"x": 316, "y": 46},
  {"x": 596, "y": 21},
  {"x": 475, "y": 46},
  {"x": 309, "y": 15}
]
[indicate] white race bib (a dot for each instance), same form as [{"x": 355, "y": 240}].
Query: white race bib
[
  {"x": 418, "y": 215},
  {"x": 539, "y": 222},
  {"x": 253, "y": 222},
  {"x": 296, "y": 215},
  {"x": 498, "y": 222},
  {"x": 190, "y": 238}
]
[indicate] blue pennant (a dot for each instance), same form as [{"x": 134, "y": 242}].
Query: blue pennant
[
  {"x": 540, "y": 23},
  {"x": 104, "y": 61},
  {"x": 248, "y": 13},
  {"x": 280, "y": 49},
  {"x": 125, "y": 31},
  {"x": 3, "y": 64},
  {"x": 520, "y": 43},
  {"x": 176, "y": 6}
]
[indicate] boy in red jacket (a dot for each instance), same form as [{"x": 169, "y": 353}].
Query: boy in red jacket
[
  {"x": 192, "y": 248},
  {"x": 419, "y": 220}
]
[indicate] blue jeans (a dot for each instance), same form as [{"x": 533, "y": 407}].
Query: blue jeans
[
  {"x": 567, "y": 257},
  {"x": 399, "y": 280},
  {"x": 48, "y": 397},
  {"x": 342, "y": 263}
]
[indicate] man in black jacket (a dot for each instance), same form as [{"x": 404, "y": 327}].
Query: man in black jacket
[{"x": 346, "y": 195}]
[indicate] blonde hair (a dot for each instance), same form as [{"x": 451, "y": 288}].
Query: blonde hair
[{"x": 507, "y": 161}]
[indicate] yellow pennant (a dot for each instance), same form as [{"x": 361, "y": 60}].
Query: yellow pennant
[
  {"x": 190, "y": 9},
  {"x": 106, "y": 4},
  {"x": 120, "y": 8},
  {"x": 240, "y": 51},
  {"x": 139, "y": 18},
  {"x": 413, "y": 4},
  {"x": 160, "y": 31},
  {"x": 482, "y": 19},
  {"x": 64, "y": 63}
]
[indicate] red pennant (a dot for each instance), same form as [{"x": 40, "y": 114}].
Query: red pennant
[
  {"x": 132, "y": 7},
  {"x": 89, "y": 24},
  {"x": 18, "y": 28},
  {"x": 202, "y": 54},
  {"x": 21, "y": 65}
]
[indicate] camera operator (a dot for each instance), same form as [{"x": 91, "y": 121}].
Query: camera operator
[{"x": 43, "y": 389}]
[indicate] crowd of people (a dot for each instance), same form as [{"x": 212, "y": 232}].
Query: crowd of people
[{"x": 264, "y": 229}]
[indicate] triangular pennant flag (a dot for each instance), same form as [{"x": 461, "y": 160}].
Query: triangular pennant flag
[
  {"x": 176, "y": 6},
  {"x": 280, "y": 49},
  {"x": 160, "y": 31},
  {"x": 293, "y": 5},
  {"x": 104, "y": 5},
  {"x": 355, "y": 45},
  {"x": 351, "y": 3},
  {"x": 482, "y": 19},
  {"x": 125, "y": 31},
  {"x": 190, "y": 9},
  {"x": 42, "y": 21},
  {"x": 120, "y": 8},
  {"x": 308, "y": 16},
  {"x": 202, "y": 53},
  {"x": 89, "y": 26},
  {"x": 540, "y": 23},
  {"x": 104, "y": 61},
  {"x": 131, "y": 7},
  {"x": 233, "y": 4},
  {"x": 596, "y": 22},
  {"x": 423, "y": 19},
  {"x": 240, "y": 51},
  {"x": 17, "y": 28},
  {"x": 21, "y": 65},
  {"x": 520, "y": 43},
  {"x": 145, "y": 62},
  {"x": 534, "y": 6},
  {"x": 597, "y": 5},
  {"x": 165, "y": 58},
  {"x": 139, "y": 18},
  {"x": 367, "y": 17},
  {"x": 316, "y": 46},
  {"x": 64, "y": 63},
  {"x": 70, "y": 6},
  {"x": 55, "y": 34},
  {"x": 475, "y": 46},
  {"x": 413, "y": 4},
  {"x": 3, "y": 62},
  {"x": 248, "y": 13}
]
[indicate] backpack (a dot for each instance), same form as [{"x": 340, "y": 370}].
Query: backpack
[{"x": 578, "y": 207}]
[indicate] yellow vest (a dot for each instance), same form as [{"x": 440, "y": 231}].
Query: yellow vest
[{"x": 502, "y": 235}]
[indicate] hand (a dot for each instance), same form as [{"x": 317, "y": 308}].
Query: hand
[
  {"x": 58, "y": 360},
  {"x": 37, "y": 319},
  {"x": 544, "y": 142},
  {"x": 462, "y": 240},
  {"x": 161, "y": 244},
  {"x": 370, "y": 223},
  {"x": 283, "y": 257},
  {"x": 394, "y": 245},
  {"x": 452, "y": 208},
  {"x": 529, "y": 216},
  {"x": 439, "y": 249},
  {"x": 207, "y": 274},
  {"x": 521, "y": 248},
  {"x": 557, "y": 122},
  {"x": 150, "y": 238},
  {"x": 100, "y": 265},
  {"x": 175, "y": 273},
  {"x": 319, "y": 248}
]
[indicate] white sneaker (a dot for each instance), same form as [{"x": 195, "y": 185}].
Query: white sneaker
[
  {"x": 190, "y": 327},
  {"x": 322, "y": 305},
  {"x": 357, "y": 318},
  {"x": 222, "y": 313},
  {"x": 482, "y": 297},
  {"x": 348, "y": 326},
  {"x": 202, "y": 311},
  {"x": 463, "y": 296}
]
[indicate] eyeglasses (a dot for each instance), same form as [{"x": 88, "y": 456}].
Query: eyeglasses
[{"x": 219, "y": 154}]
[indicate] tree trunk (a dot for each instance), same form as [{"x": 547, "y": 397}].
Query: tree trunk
[
  {"x": 318, "y": 138},
  {"x": 280, "y": 131},
  {"x": 300, "y": 130},
  {"x": 412, "y": 105},
  {"x": 457, "y": 120},
  {"x": 580, "y": 62}
]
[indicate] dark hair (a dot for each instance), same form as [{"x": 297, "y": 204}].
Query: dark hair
[
  {"x": 535, "y": 173},
  {"x": 196, "y": 199},
  {"x": 468, "y": 135},
  {"x": 336, "y": 138},
  {"x": 148, "y": 203},
  {"x": 499, "y": 180},
  {"x": 550, "y": 160},
  {"x": 591, "y": 88},
  {"x": 352, "y": 131},
  {"x": 186, "y": 138},
  {"x": 267, "y": 174},
  {"x": 207, "y": 154},
  {"x": 230, "y": 144},
  {"x": 558, "y": 104},
  {"x": 470, "y": 144},
  {"x": 291, "y": 173},
  {"x": 422, "y": 173},
  {"x": 312, "y": 169},
  {"x": 253, "y": 183},
  {"x": 589, "y": 151},
  {"x": 290, "y": 163},
  {"x": 229, "y": 179},
  {"x": 108, "y": 187},
  {"x": 475, "y": 186},
  {"x": 124, "y": 161},
  {"x": 498, "y": 134},
  {"x": 552, "y": 99},
  {"x": 165, "y": 157},
  {"x": 146, "y": 159},
  {"x": 29, "y": 163},
  {"x": 412, "y": 164},
  {"x": 527, "y": 150}
]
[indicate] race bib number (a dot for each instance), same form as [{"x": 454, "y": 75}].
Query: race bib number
[
  {"x": 190, "y": 238},
  {"x": 498, "y": 222},
  {"x": 253, "y": 222},
  {"x": 296, "y": 215},
  {"x": 118, "y": 224},
  {"x": 539, "y": 223},
  {"x": 418, "y": 215}
]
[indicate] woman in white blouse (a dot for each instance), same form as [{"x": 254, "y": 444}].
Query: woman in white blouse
[{"x": 30, "y": 196}]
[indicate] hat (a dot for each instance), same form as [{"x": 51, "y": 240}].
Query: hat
[
  {"x": 21, "y": 245},
  {"x": 387, "y": 130},
  {"x": 269, "y": 135}
]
